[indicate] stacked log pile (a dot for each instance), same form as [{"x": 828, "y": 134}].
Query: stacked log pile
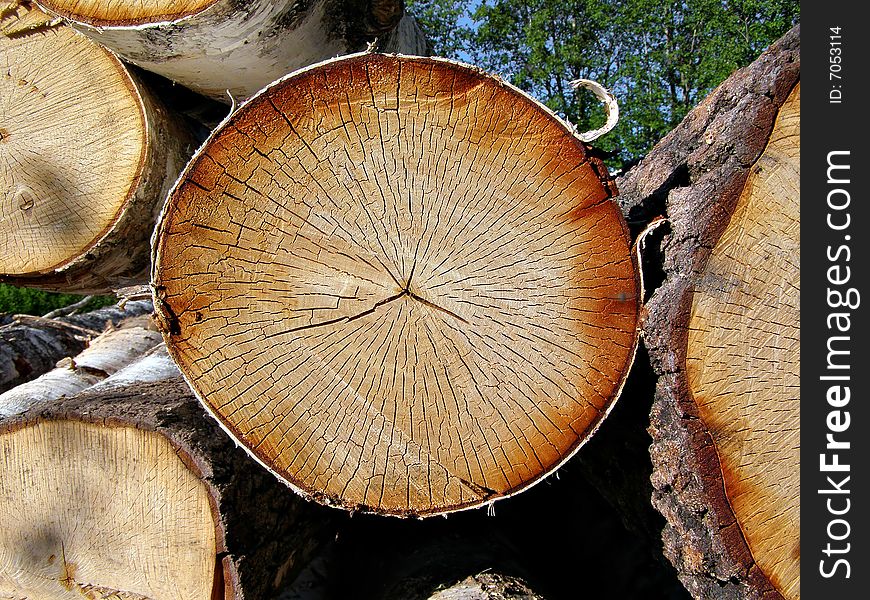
[{"x": 393, "y": 285}]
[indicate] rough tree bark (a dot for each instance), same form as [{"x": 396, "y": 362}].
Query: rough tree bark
[
  {"x": 78, "y": 220},
  {"x": 722, "y": 332},
  {"x": 406, "y": 38},
  {"x": 128, "y": 490},
  {"x": 402, "y": 284},
  {"x": 31, "y": 346},
  {"x": 224, "y": 48},
  {"x": 487, "y": 586}
]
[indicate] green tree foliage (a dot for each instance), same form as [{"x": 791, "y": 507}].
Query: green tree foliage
[
  {"x": 15, "y": 300},
  {"x": 446, "y": 24},
  {"x": 659, "y": 57}
]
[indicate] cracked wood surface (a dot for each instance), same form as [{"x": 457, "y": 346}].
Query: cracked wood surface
[
  {"x": 743, "y": 354},
  {"x": 86, "y": 157},
  {"x": 722, "y": 332},
  {"x": 400, "y": 283}
]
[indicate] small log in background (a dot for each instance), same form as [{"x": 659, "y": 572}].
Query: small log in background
[
  {"x": 128, "y": 490},
  {"x": 78, "y": 220},
  {"x": 31, "y": 346}
]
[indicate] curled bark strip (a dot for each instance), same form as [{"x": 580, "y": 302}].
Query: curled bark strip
[{"x": 611, "y": 108}]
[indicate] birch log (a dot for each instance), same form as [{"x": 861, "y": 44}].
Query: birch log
[
  {"x": 400, "y": 283},
  {"x": 128, "y": 490},
  {"x": 228, "y": 49},
  {"x": 723, "y": 332},
  {"x": 86, "y": 158},
  {"x": 30, "y": 346},
  {"x": 107, "y": 354}
]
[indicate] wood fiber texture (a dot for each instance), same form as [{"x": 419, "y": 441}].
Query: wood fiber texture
[
  {"x": 400, "y": 283},
  {"x": 79, "y": 497},
  {"x": 722, "y": 328},
  {"x": 59, "y": 204},
  {"x": 743, "y": 354}
]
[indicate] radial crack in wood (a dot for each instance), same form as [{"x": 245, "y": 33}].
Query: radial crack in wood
[
  {"x": 401, "y": 283},
  {"x": 86, "y": 158}
]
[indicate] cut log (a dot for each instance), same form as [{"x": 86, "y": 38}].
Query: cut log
[
  {"x": 225, "y": 49},
  {"x": 400, "y": 283},
  {"x": 128, "y": 490},
  {"x": 722, "y": 332},
  {"x": 31, "y": 346},
  {"x": 78, "y": 220}
]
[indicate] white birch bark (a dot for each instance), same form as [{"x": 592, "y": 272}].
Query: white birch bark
[{"x": 229, "y": 49}]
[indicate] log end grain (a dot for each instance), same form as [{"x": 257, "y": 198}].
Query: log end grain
[
  {"x": 128, "y": 488},
  {"x": 402, "y": 284},
  {"x": 743, "y": 354},
  {"x": 72, "y": 147},
  {"x": 90, "y": 510}
]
